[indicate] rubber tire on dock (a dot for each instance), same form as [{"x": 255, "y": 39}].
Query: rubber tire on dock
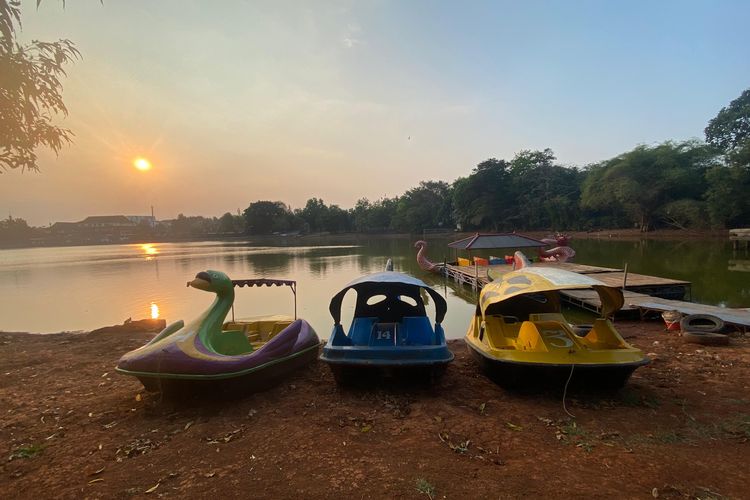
[
  {"x": 705, "y": 338},
  {"x": 701, "y": 323}
]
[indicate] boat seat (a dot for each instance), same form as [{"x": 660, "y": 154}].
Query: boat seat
[
  {"x": 604, "y": 336},
  {"x": 254, "y": 336},
  {"x": 499, "y": 335},
  {"x": 278, "y": 327},
  {"x": 232, "y": 325},
  {"x": 416, "y": 330},
  {"x": 547, "y": 317},
  {"x": 383, "y": 334},
  {"x": 230, "y": 343},
  {"x": 361, "y": 330}
]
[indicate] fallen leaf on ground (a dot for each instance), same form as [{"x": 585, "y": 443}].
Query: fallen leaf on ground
[{"x": 97, "y": 472}]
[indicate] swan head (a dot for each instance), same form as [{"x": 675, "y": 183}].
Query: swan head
[
  {"x": 212, "y": 281},
  {"x": 420, "y": 244}
]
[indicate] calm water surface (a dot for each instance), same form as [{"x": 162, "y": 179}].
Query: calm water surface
[{"x": 81, "y": 288}]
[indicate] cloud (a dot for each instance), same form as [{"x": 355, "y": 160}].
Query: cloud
[{"x": 351, "y": 36}]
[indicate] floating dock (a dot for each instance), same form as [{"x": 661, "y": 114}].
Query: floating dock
[
  {"x": 643, "y": 294},
  {"x": 740, "y": 238},
  {"x": 477, "y": 276}
]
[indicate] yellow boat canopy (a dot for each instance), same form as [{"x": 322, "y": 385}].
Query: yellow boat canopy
[{"x": 531, "y": 280}]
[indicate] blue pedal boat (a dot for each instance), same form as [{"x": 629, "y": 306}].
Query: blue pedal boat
[{"x": 390, "y": 334}]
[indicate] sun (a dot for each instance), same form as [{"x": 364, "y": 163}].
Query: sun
[{"x": 142, "y": 164}]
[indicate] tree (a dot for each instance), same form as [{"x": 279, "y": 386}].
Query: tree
[
  {"x": 266, "y": 217},
  {"x": 428, "y": 205},
  {"x": 192, "y": 226},
  {"x": 229, "y": 223},
  {"x": 30, "y": 93},
  {"x": 545, "y": 195},
  {"x": 642, "y": 182},
  {"x": 15, "y": 232},
  {"x": 374, "y": 216},
  {"x": 337, "y": 219},
  {"x": 727, "y": 201},
  {"x": 729, "y": 130},
  {"x": 728, "y": 184},
  {"x": 483, "y": 198},
  {"x": 314, "y": 214}
]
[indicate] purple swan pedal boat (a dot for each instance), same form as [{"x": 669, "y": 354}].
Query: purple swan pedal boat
[{"x": 243, "y": 354}]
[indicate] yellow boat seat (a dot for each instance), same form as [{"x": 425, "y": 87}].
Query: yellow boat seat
[
  {"x": 501, "y": 334},
  {"x": 604, "y": 336}
]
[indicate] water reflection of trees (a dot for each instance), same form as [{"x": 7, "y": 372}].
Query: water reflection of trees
[
  {"x": 263, "y": 264},
  {"x": 702, "y": 262}
]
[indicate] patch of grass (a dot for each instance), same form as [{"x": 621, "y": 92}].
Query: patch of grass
[
  {"x": 423, "y": 486},
  {"x": 629, "y": 397},
  {"x": 737, "y": 401},
  {"x": 739, "y": 426},
  {"x": 573, "y": 433},
  {"x": 26, "y": 451},
  {"x": 461, "y": 447},
  {"x": 669, "y": 437},
  {"x": 707, "y": 494}
]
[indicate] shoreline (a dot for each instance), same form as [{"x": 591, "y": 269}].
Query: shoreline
[
  {"x": 73, "y": 427},
  {"x": 276, "y": 240}
]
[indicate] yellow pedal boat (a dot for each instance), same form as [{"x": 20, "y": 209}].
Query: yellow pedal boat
[{"x": 521, "y": 339}]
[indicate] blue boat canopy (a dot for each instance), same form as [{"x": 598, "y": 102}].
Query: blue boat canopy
[{"x": 393, "y": 286}]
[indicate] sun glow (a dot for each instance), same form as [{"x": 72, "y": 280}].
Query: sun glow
[
  {"x": 142, "y": 164},
  {"x": 154, "y": 311},
  {"x": 149, "y": 250}
]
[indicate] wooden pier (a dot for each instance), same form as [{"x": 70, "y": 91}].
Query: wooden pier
[
  {"x": 477, "y": 276},
  {"x": 740, "y": 237},
  {"x": 643, "y": 294}
]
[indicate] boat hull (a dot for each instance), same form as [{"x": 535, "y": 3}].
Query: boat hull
[
  {"x": 366, "y": 374},
  {"x": 174, "y": 364},
  {"x": 521, "y": 375},
  {"x": 256, "y": 379},
  {"x": 351, "y": 366}
]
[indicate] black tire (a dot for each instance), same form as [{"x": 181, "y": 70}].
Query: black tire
[
  {"x": 705, "y": 338},
  {"x": 701, "y": 323}
]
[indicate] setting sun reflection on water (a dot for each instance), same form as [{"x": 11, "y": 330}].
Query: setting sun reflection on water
[
  {"x": 149, "y": 250},
  {"x": 154, "y": 311}
]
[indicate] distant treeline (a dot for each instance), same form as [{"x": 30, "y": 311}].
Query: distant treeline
[{"x": 691, "y": 184}]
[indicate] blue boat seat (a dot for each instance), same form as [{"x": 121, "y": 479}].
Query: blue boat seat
[
  {"x": 361, "y": 330},
  {"x": 416, "y": 330},
  {"x": 384, "y": 334}
]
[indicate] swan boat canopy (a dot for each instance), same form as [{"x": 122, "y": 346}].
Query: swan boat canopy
[
  {"x": 519, "y": 335},
  {"x": 390, "y": 331},
  {"x": 252, "y": 352}
]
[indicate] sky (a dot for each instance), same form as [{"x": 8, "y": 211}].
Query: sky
[{"x": 239, "y": 101}]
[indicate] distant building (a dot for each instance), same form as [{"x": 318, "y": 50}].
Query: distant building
[
  {"x": 97, "y": 228},
  {"x": 98, "y": 222},
  {"x": 64, "y": 228},
  {"x": 142, "y": 219}
]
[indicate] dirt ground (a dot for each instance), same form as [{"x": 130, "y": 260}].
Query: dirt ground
[{"x": 70, "y": 427}]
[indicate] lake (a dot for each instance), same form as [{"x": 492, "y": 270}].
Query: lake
[{"x": 47, "y": 290}]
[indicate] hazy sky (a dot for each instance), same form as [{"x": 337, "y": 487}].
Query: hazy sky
[{"x": 236, "y": 101}]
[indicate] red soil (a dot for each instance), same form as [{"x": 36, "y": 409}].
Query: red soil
[{"x": 71, "y": 427}]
